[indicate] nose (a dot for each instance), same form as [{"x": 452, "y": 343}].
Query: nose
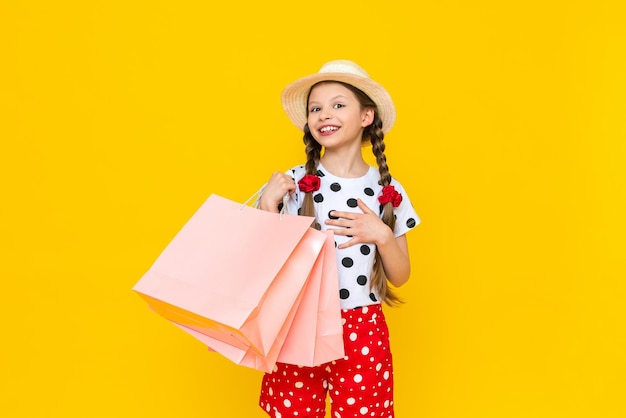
[{"x": 325, "y": 114}]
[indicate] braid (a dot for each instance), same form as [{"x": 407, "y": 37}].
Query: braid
[
  {"x": 379, "y": 281},
  {"x": 378, "y": 149},
  {"x": 313, "y": 150}
]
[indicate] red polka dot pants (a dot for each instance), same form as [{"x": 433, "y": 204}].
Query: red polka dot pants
[{"x": 359, "y": 385}]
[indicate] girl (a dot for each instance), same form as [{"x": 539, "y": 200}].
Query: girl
[{"x": 340, "y": 109}]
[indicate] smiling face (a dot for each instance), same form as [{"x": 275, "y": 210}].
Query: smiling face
[{"x": 335, "y": 117}]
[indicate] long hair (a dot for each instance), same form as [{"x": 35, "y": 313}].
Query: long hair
[{"x": 373, "y": 133}]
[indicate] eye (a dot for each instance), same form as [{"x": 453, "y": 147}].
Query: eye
[
  {"x": 314, "y": 109},
  {"x": 339, "y": 105}
]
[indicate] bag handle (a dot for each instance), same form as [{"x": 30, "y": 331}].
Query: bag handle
[{"x": 259, "y": 193}]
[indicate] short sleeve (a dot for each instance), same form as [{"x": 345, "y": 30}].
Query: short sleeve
[
  {"x": 295, "y": 200},
  {"x": 406, "y": 216}
]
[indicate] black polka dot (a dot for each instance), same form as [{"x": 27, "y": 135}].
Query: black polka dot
[
  {"x": 411, "y": 223},
  {"x": 365, "y": 250},
  {"x": 344, "y": 293},
  {"x": 280, "y": 206},
  {"x": 352, "y": 203},
  {"x": 381, "y": 208},
  {"x": 373, "y": 297},
  {"x": 362, "y": 280},
  {"x": 335, "y": 187},
  {"x": 320, "y": 173},
  {"x": 347, "y": 262},
  {"x": 332, "y": 217},
  {"x": 318, "y": 198},
  {"x": 368, "y": 191},
  {"x": 299, "y": 211}
]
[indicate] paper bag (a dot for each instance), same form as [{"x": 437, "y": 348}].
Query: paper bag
[{"x": 235, "y": 274}]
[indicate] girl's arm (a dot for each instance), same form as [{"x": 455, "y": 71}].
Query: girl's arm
[
  {"x": 367, "y": 228},
  {"x": 396, "y": 262}
]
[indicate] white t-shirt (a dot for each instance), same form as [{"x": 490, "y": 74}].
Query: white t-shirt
[{"x": 354, "y": 263}]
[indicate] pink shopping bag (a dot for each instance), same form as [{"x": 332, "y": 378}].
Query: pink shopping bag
[
  {"x": 235, "y": 274},
  {"x": 314, "y": 336}
]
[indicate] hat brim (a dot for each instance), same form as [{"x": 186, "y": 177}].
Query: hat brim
[{"x": 294, "y": 97}]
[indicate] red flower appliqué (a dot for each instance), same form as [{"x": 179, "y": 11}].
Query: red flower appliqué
[
  {"x": 390, "y": 195},
  {"x": 309, "y": 183}
]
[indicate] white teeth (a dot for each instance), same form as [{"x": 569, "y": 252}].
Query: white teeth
[{"x": 328, "y": 128}]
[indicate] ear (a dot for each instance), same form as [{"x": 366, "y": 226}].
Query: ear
[{"x": 367, "y": 117}]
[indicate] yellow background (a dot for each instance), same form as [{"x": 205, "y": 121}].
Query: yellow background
[{"x": 119, "y": 118}]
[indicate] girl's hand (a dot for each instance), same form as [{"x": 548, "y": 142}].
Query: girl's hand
[
  {"x": 367, "y": 228},
  {"x": 364, "y": 228},
  {"x": 277, "y": 187}
]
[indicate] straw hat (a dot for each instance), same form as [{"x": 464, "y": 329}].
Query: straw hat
[{"x": 294, "y": 96}]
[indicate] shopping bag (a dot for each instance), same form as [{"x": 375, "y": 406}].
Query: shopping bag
[
  {"x": 234, "y": 273},
  {"x": 315, "y": 336}
]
